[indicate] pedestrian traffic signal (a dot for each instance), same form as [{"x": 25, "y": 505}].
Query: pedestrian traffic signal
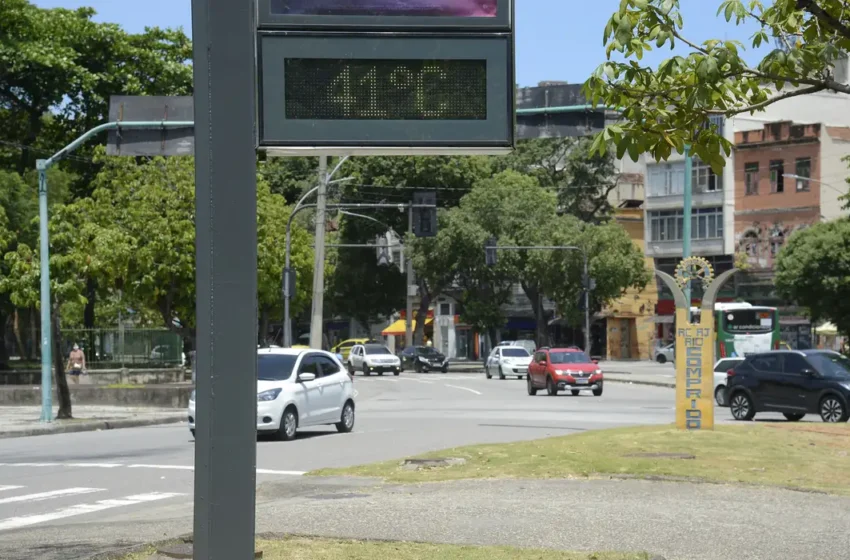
[
  {"x": 490, "y": 251},
  {"x": 288, "y": 282},
  {"x": 425, "y": 219}
]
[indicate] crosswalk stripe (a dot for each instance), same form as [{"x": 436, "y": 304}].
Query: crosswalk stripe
[
  {"x": 82, "y": 509},
  {"x": 2, "y": 488},
  {"x": 49, "y": 495}
]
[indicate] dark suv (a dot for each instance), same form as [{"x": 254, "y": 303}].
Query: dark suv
[{"x": 793, "y": 382}]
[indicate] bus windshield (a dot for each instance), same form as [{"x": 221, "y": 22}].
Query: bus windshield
[{"x": 748, "y": 321}]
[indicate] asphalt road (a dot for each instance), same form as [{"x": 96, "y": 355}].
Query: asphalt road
[{"x": 88, "y": 492}]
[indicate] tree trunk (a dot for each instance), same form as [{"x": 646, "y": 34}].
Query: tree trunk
[
  {"x": 421, "y": 315},
  {"x": 264, "y": 327},
  {"x": 35, "y": 347},
  {"x": 535, "y": 295},
  {"x": 89, "y": 319},
  {"x": 62, "y": 391},
  {"x": 4, "y": 354},
  {"x": 16, "y": 327}
]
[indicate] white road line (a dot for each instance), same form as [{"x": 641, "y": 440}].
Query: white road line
[
  {"x": 171, "y": 467},
  {"x": 288, "y": 473},
  {"x": 49, "y": 495},
  {"x": 2, "y": 488},
  {"x": 30, "y": 464},
  {"x": 81, "y": 509},
  {"x": 463, "y": 388},
  {"x": 94, "y": 465}
]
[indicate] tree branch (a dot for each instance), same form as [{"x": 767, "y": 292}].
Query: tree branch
[
  {"x": 822, "y": 15},
  {"x": 774, "y": 99}
]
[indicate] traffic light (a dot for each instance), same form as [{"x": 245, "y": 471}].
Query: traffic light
[
  {"x": 289, "y": 283},
  {"x": 490, "y": 251},
  {"x": 425, "y": 219}
]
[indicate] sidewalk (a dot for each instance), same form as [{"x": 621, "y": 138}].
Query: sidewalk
[
  {"x": 675, "y": 520},
  {"x": 22, "y": 421}
]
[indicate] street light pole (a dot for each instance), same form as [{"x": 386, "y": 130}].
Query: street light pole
[
  {"x": 408, "y": 262},
  {"x": 316, "y": 321},
  {"x": 688, "y": 211}
]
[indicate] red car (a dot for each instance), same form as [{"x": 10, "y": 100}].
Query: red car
[{"x": 564, "y": 369}]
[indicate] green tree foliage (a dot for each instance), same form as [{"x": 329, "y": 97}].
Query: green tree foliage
[
  {"x": 813, "y": 269},
  {"x": 582, "y": 182},
  {"x": 667, "y": 107},
  {"x": 290, "y": 177}
]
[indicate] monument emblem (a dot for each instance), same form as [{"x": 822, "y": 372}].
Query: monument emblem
[{"x": 695, "y": 342}]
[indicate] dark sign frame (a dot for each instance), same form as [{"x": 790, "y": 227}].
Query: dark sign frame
[
  {"x": 497, "y": 132},
  {"x": 502, "y": 22}
]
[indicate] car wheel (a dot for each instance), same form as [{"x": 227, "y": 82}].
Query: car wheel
[
  {"x": 793, "y": 416},
  {"x": 501, "y": 373},
  {"x": 720, "y": 395},
  {"x": 193, "y": 432},
  {"x": 396, "y": 372},
  {"x": 350, "y": 369},
  {"x": 833, "y": 409},
  {"x": 380, "y": 373},
  {"x": 598, "y": 392},
  {"x": 346, "y": 421},
  {"x": 575, "y": 392},
  {"x": 288, "y": 424},
  {"x": 445, "y": 368},
  {"x": 742, "y": 407},
  {"x": 417, "y": 368},
  {"x": 551, "y": 389},
  {"x": 531, "y": 390},
  {"x": 366, "y": 370},
  {"x": 487, "y": 372},
  {"x": 661, "y": 359}
]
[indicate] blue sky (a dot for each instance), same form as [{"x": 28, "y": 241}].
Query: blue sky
[{"x": 556, "y": 39}]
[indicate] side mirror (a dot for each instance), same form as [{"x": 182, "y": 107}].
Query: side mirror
[
  {"x": 595, "y": 361},
  {"x": 542, "y": 362},
  {"x": 304, "y": 377}
]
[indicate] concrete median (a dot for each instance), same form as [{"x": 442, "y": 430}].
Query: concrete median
[{"x": 153, "y": 396}]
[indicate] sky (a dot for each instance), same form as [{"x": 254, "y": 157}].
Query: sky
[{"x": 556, "y": 40}]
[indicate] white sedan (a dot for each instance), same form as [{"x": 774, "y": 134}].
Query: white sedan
[
  {"x": 720, "y": 369},
  {"x": 507, "y": 361},
  {"x": 297, "y": 388},
  {"x": 373, "y": 358}
]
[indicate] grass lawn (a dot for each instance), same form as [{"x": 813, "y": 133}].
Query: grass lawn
[
  {"x": 300, "y": 548},
  {"x": 798, "y": 455}
]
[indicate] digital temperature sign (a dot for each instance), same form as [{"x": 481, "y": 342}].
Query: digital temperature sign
[
  {"x": 385, "y": 89},
  {"x": 368, "y": 91}
]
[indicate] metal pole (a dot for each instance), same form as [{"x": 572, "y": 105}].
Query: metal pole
[
  {"x": 686, "y": 225},
  {"x": 226, "y": 280},
  {"x": 317, "y": 320},
  {"x": 586, "y": 275},
  {"x": 408, "y": 261},
  {"x": 289, "y": 291},
  {"x": 44, "y": 262}
]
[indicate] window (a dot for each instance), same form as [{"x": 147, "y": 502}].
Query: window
[
  {"x": 329, "y": 367},
  {"x": 767, "y": 362},
  {"x": 275, "y": 367},
  {"x": 725, "y": 365},
  {"x": 776, "y": 244},
  {"x": 795, "y": 363},
  {"x": 747, "y": 321},
  {"x": 751, "y": 178},
  {"x": 803, "y": 171},
  {"x": 703, "y": 178},
  {"x": 777, "y": 176},
  {"x": 830, "y": 363},
  {"x": 540, "y": 357},
  {"x": 569, "y": 358},
  {"x": 445, "y": 309},
  {"x": 309, "y": 364},
  {"x": 666, "y": 179},
  {"x": 373, "y": 349},
  {"x": 515, "y": 353},
  {"x": 668, "y": 225}
]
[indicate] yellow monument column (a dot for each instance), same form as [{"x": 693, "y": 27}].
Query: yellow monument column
[{"x": 695, "y": 343}]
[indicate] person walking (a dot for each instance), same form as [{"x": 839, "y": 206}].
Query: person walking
[{"x": 76, "y": 363}]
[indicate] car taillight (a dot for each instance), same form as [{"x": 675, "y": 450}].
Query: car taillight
[
  {"x": 776, "y": 345},
  {"x": 730, "y": 373}
]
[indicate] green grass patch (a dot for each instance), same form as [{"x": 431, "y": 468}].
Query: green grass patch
[
  {"x": 794, "y": 455},
  {"x": 302, "y": 548}
]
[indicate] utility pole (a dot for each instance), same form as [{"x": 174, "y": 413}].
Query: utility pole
[
  {"x": 408, "y": 262},
  {"x": 317, "y": 322},
  {"x": 686, "y": 225},
  {"x": 587, "y": 288}
]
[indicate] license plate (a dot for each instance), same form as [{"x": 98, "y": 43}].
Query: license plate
[{"x": 582, "y": 381}]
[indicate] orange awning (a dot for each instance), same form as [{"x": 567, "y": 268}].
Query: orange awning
[{"x": 399, "y": 328}]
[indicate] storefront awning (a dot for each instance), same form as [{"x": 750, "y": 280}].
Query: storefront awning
[
  {"x": 827, "y": 329},
  {"x": 399, "y": 328}
]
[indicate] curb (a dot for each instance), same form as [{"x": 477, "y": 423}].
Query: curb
[
  {"x": 648, "y": 383},
  {"x": 95, "y": 426}
]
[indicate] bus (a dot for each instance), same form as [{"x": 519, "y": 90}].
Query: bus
[{"x": 743, "y": 329}]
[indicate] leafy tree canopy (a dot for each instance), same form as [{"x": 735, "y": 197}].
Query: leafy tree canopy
[
  {"x": 667, "y": 107},
  {"x": 813, "y": 269}
]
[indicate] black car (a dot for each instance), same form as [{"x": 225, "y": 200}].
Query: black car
[
  {"x": 423, "y": 359},
  {"x": 793, "y": 382}
]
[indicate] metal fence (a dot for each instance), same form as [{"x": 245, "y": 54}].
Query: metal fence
[{"x": 126, "y": 347}]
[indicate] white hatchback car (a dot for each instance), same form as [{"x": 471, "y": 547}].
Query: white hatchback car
[
  {"x": 510, "y": 361},
  {"x": 297, "y": 388},
  {"x": 722, "y": 366}
]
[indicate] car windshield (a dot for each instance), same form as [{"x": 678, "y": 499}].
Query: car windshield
[
  {"x": 427, "y": 350},
  {"x": 829, "y": 364},
  {"x": 275, "y": 367},
  {"x": 726, "y": 365},
  {"x": 515, "y": 353},
  {"x": 569, "y": 358},
  {"x": 372, "y": 349}
]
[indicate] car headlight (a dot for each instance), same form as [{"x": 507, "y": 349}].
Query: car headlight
[
  {"x": 597, "y": 372},
  {"x": 422, "y": 359},
  {"x": 192, "y": 396},
  {"x": 269, "y": 395},
  {"x": 845, "y": 385}
]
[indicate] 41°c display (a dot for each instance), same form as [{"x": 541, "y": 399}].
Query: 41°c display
[{"x": 385, "y": 89}]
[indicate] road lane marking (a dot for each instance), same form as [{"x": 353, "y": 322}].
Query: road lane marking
[
  {"x": 172, "y": 467},
  {"x": 463, "y": 388},
  {"x": 134, "y": 466},
  {"x": 82, "y": 509},
  {"x": 2, "y": 488},
  {"x": 49, "y": 495},
  {"x": 94, "y": 465},
  {"x": 30, "y": 464},
  {"x": 288, "y": 473}
]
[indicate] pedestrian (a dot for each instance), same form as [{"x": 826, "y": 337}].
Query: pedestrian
[{"x": 76, "y": 363}]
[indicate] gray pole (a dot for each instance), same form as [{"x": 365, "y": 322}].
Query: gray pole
[
  {"x": 46, "y": 338},
  {"x": 226, "y": 280},
  {"x": 317, "y": 320},
  {"x": 287, "y": 289},
  {"x": 408, "y": 261},
  {"x": 686, "y": 223},
  {"x": 586, "y": 304}
]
